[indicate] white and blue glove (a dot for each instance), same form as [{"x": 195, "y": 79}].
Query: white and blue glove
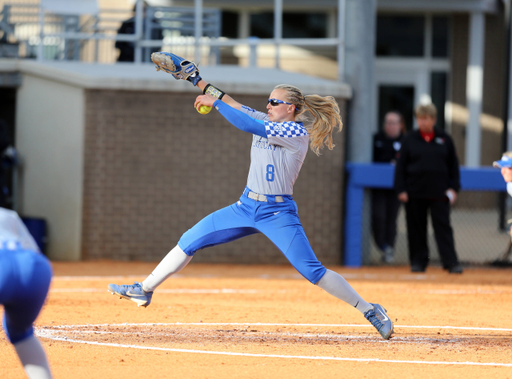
[{"x": 177, "y": 66}]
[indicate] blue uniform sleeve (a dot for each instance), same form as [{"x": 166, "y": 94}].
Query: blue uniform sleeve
[{"x": 240, "y": 119}]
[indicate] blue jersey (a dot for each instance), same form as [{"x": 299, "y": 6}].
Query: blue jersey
[
  {"x": 14, "y": 234},
  {"x": 276, "y": 159},
  {"x": 25, "y": 276}
]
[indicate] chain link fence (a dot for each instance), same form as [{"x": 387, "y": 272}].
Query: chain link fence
[{"x": 479, "y": 236}]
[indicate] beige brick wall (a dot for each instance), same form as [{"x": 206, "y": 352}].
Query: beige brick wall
[{"x": 154, "y": 167}]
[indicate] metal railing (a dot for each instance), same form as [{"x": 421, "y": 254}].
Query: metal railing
[{"x": 198, "y": 32}]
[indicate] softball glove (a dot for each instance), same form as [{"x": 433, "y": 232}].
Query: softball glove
[{"x": 176, "y": 66}]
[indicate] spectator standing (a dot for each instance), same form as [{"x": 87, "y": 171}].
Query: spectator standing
[
  {"x": 127, "y": 48},
  {"x": 385, "y": 204},
  {"x": 7, "y": 161},
  {"x": 427, "y": 178}
]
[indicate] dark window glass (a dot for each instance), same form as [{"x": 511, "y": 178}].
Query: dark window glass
[
  {"x": 440, "y": 37},
  {"x": 302, "y": 25},
  {"x": 397, "y": 98},
  {"x": 295, "y": 25},
  {"x": 400, "y": 36},
  {"x": 229, "y": 24},
  {"x": 438, "y": 81},
  {"x": 262, "y": 25}
]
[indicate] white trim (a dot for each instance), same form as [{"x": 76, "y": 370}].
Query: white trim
[
  {"x": 244, "y": 24},
  {"x": 429, "y": 33},
  {"x": 488, "y": 6},
  {"x": 407, "y": 71},
  {"x": 474, "y": 88},
  {"x": 400, "y": 64}
]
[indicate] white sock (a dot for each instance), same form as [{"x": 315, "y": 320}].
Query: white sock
[
  {"x": 173, "y": 262},
  {"x": 33, "y": 358},
  {"x": 334, "y": 284}
]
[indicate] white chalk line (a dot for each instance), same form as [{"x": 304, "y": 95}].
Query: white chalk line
[
  {"x": 178, "y": 290},
  {"x": 347, "y": 275},
  {"x": 97, "y": 277},
  {"x": 48, "y": 334},
  {"x": 257, "y": 335},
  {"x": 255, "y": 291},
  {"x": 470, "y": 328}
]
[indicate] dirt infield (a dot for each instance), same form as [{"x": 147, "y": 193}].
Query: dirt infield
[{"x": 220, "y": 321}]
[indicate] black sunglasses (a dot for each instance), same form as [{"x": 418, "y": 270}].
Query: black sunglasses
[{"x": 276, "y": 102}]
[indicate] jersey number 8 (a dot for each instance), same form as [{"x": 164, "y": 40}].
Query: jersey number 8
[{"x": 270, "y": 173}]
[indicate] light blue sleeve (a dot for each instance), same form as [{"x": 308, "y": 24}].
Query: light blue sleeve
[
  {"x": 254, "y": 113},
  {"x": 240, "y": 119}
]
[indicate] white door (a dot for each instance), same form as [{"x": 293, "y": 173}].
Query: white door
[
  {"x": 400, "y": 85},
  {"x": 411, "y": 64}
]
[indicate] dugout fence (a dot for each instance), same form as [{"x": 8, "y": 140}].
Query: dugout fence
[{"x": 477, "y": 217}]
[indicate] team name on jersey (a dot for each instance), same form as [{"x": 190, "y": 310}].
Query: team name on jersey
[{"x": 263, "y": 144}]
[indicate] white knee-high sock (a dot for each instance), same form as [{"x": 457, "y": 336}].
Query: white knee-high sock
[
  {"x": 173, "y": 262},
  {"x": 334, "y": 284},
  {"x": 33, "y": 358}
]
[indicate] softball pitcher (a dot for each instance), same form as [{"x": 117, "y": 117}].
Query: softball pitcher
[{"x": 279, "y": 146}]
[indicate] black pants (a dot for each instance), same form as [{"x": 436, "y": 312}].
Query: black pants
[
  {"x": 416, "y": 214},
  {"x": 385, "y": 205}
]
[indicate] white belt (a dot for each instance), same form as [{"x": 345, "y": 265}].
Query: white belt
[{"x": 258, "y": 197}]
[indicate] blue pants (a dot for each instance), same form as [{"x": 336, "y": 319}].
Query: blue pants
[
  {"x": 278, "y": 221},
  {"x": 24, "y": 281}
]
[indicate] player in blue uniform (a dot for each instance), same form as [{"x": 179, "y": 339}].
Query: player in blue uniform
[
  {"x": 505, "y": 164},
  {"x": 25, "y": 276},
  {"x": 279, "y": 147}
]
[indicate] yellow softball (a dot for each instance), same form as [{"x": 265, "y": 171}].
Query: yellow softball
[{"x": 204, "y": 109}]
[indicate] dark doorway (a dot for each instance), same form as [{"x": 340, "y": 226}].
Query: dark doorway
[
  {"x": 7, "y": 114},
  {"x": 397, "y": 98}
]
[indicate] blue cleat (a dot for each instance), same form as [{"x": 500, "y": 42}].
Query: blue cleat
[
  {"x": 380, "y": 320},
  {"x": 133, "y": 292}
]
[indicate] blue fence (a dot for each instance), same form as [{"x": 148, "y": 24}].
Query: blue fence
[{"x": 362, "y": 176}]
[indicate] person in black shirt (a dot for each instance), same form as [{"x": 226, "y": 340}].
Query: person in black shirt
[
  {"x": 127, "y": 48},
  {"x": 7, "y": 162},
  {"x": 385, "y": 204},
  {"x": 427, "y": 178}
]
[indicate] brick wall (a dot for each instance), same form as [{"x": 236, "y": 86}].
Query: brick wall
[{"x": 154, "y": 167}]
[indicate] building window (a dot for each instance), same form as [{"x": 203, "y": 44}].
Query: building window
[
  {"x": 229, "y": 24},
  {"x": 262, "y": 25},
  {"x": 295, "y": 25},
  {"x": 440, "y": 37},
  {"x": 400, "y": 36}
]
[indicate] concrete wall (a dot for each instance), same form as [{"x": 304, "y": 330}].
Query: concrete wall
[
  {"x": 154, "y": 167},
  {"x": 49, "y": 137},
  {"x": 492, "y": 107}
]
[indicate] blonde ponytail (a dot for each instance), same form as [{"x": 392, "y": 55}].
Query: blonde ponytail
[{"x": 325, "y": 111}]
